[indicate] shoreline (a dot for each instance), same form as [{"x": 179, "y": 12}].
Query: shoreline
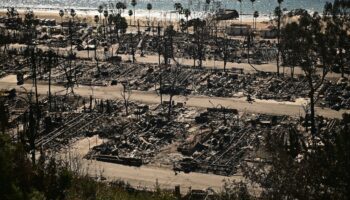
[{"x": 141, "y": 15}]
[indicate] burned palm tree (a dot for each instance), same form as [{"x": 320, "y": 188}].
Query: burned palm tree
[
  {"x": 110, "y": 22},
  {"x": 240, "y": 13},
  {"x": 124, "y": 7},
  {"x": 187, "y": 13},
  {"x": 12, "y": 12},
  {"x": 120, "y": 7},
  {"x": 100, "y": 10},
  {"x": 168, "y": 49},
  {"x": 225, "y": 51},
  {"x": 173, "y": 87},
  {"x": 207, "y": 2},
  {"x": 133, "y": 4},
  {"x": 50, "y": 55},
  {"x": 149, "y": 8},
  {"x": 71, "y": 24},
  {"x": 278, "y": 13},
  {"x": 61, "y": 13},
  {"x": 256, "y": 15},
  {"x": 130, "y": 14},
  {"x": 105, "y": 15},
  {"x": 198, "y": 51},
  {"x": 96, "y": 19},
  {"x": 120, "y": 24},
  {"x": 179, "y": 9},
  {"x": 253, "y": 1},
  {"x": 72, "y": 13},
  {"x": 31, "y": 23},
  {"x": 70, "y": 31}
]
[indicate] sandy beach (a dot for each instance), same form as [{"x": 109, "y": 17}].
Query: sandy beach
[{"x": 162, "y": 19}]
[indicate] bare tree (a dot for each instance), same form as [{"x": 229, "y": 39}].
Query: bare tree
[
  {"x": 173, "y": 88},
  {"x": 50, "y": 56},
  {"x": 126, "y": 94},
  {"x": 69, "y": 74},
  {"x": 30, "y": 120}
]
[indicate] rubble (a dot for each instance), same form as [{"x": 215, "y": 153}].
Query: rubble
[
  {"x": 137, "y": 140},
  {"x": 336, "y": 95},
  {"x": 225, "y": 142},
  {"x": 214, "y": 140}
]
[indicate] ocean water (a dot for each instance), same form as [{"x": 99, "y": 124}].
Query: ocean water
[{"x": 163, "y": 7}]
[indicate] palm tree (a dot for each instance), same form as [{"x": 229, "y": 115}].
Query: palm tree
[
  {"x": 130, "y": 14},
  {"x": 119, "y": 7},
  {"x": 253, "y": 1},
  {"x": 134, "y": 3},
  {"x": 256, "y": 15},
  {"x": 50, "y": 55},
  {"x": 120, "y": 23},
  {"x": 105, "y": 14},
  {"x": 240, "y": 13},
  {"x": 240, "y": 5},
  {"x": 100, "y": 10},
  {"x": 61, "y": 13},
  {"x": 149, "y": 8},
  {"x": 278, "y": 14},
  {"x": 187, "y": 13},
  {"x": 110, "y": 22},
  {"x": 178, "y": 7},
  {"x": 73, "y": 13},
  {"x": 279, "y": 2},
  {"x": 11, "y": 12},
  {"x": 253, "y": 9},
  {"x": 96, "y": 19},
  {"x": 123, "y": 7}
]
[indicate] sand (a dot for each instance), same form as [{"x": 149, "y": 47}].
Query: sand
[{"x": 88, "y": 17}]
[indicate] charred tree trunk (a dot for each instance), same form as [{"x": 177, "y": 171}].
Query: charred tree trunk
[
  {"x": 278, "y": 44},
  {"x": 312, "y": 107},
  {"x": 50, "y": 67},
  {"x": 132, "y": 49},
  {"x": 170, "y": 105},
  {"x": 292, "y": 71},
  {"x": 161, "y": 87}
]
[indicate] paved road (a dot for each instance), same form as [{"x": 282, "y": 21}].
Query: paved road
[{"x": 150, "y": 97}]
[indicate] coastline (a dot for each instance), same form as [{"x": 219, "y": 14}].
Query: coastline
[{"x": 164, "y": 17}]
